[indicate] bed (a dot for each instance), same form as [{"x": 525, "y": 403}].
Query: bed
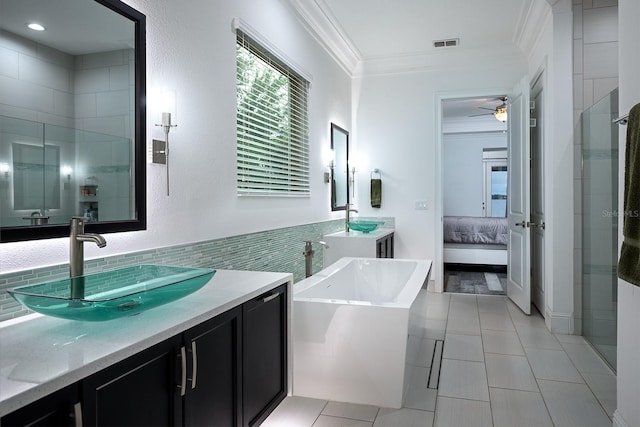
[{"x": 475, "y": 240}]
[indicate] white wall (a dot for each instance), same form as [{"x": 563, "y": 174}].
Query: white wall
[
  {"x": 552, "y": 55},
  {"x": 192, "y": 50},
  {"x": 463, "y": 171},
  {"x": 396, "y": 132},
  {"x": 628, "y": 374}
]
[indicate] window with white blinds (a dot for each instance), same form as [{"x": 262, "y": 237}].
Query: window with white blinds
[{"x": 272, "y": 124}]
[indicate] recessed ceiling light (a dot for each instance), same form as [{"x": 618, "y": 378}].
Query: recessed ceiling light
[{"x": 35, "y": 26}]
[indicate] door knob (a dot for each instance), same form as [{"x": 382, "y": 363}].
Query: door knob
[
  {"x": 521, "y": 224},
  {"x": 540, "y": 226}
]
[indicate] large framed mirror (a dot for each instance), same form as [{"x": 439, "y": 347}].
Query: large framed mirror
[
  {"x": 339, "y": 169},
  {"x": 72, "y": 117}
]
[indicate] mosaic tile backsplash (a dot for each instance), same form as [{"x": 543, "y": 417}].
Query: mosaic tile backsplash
[{"x": 272, "y": 250}]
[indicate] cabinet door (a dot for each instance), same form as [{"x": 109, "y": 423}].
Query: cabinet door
[
  {"x": 381, "y": 248},
  {"x": 213, "y": 392},
  {"x": 384, "y": 247},
  {"x": 264, "y": 361},
  {"x": 139, "y": 391},
  {"x": 57, "y": 409}
]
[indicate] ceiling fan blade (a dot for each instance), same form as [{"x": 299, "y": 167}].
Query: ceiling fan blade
[
  {"x": 478, "y": 115},
  {"x": 485, "y": 108}
]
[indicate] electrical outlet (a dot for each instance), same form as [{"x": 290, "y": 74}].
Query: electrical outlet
[{"x": 421, "y": 205}]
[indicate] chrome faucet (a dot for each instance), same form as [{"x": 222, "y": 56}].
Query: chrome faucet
[
  {"x": 76, "y": 245},
  {"x": 346, "y": 219},
  {"x": 308, "y": 256}
]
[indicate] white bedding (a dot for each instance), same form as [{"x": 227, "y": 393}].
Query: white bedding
[{"x": 475, "y": 230}]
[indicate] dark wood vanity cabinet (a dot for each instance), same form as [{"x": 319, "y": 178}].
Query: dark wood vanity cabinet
[
  {"x": 138, "y": 391},
  {"x": 230, "y": 370},
  {"x": 264, "y": 354},
  {"x": 57, "y": 409},
  {"x": 192, "y": 379},
  {"x": 213, "y": 354},
  {"x": 384, "y": 246}
]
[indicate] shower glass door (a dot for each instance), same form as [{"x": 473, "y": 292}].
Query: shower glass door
[{"x": 600, "y": 226}]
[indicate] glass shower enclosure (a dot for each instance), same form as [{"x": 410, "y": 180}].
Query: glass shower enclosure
[{"x": 600, "y": 226}]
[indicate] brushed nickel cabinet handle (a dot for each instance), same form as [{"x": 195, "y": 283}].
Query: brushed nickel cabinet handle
[
  {"x": 270, "y": 297},
  {"x": 77, "y": 414},
  {"x": 194, "y": 359},
  {"x": 183, "y": 376}
]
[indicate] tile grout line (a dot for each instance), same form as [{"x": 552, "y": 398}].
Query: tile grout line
[
  {"x": 446, "y": 325},
  {"x": 531, "y": 367},
  {"x": 583, "y": 378},
  {"x": 486, "y": 372}
]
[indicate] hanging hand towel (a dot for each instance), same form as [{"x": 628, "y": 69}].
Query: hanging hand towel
[
  {"x": 376, "y": 192},
  {"x": 629, "y": 263}
]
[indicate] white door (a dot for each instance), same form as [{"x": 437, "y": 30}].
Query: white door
[
  {"x": 519, "y": 263},
  {"x": 537, "y": 223}
]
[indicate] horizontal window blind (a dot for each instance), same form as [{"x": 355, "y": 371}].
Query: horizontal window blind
[{"x": 272, "y": 124}]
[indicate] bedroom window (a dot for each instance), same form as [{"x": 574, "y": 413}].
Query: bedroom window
[
  {"x": 495, "y": 184},
  {"x": 272, "y": 124}
]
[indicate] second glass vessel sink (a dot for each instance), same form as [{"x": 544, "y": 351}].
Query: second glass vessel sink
[
  {"x": 363, "y": 226},
  {"x": 112, "y": 294}
]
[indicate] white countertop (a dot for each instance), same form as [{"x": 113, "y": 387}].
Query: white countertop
[
  {"x": 375, "y": 234},
  {"x": 40, "y": 354}
]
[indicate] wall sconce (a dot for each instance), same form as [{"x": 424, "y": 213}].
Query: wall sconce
[
  {"x": 353, "y": 181},
  {"x": 328, "y": 159},
  {"x": 167, "y": 107},
  {"x": 328, "y": 172},
  {"x": 67, "y": 170},
  {"x": 4, "y": 167}
]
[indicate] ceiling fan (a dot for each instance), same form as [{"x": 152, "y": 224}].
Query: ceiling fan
[{"x": 500, "y": 112}]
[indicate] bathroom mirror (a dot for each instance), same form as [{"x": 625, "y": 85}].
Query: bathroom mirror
[
  {"x": 72, "y": 117},
  {"x": 339, "y": 171}
]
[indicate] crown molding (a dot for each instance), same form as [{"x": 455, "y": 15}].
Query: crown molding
[
  {"x": 533, "y": 16},
  {"x": 454, "y": 58},
  {"x": 472, "y": 125},
  {"x": 322, "y": 26},
  {"x": 316, "y": 16}
]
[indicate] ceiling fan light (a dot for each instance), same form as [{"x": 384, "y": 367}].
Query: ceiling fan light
[{"x": 501, "y": 113}]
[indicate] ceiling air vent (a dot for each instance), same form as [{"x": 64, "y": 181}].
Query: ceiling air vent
[{"x": 446, "y": 43}]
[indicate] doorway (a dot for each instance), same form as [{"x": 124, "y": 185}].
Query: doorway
[
  {"x": 531, "y": 194},
  {"x": 537, "y": 221},
  {"x": 474, "y": 190}
]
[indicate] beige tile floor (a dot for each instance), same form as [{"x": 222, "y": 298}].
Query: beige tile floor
[{"x": 499, "y": 368}]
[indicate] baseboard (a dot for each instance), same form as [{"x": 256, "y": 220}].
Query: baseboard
[
  {"x": 559, "y": 323},
  {"x": 618, "y": 421}
]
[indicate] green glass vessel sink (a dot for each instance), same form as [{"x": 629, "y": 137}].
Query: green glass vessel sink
[
  {"x": 363, "y": 226},
  {"x": 112, "y": 294}
]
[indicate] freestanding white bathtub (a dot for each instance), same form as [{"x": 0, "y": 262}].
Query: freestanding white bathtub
[{"x": 352, "y": 324}]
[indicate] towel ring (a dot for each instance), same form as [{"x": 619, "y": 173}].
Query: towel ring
[{"x": 376, "y": 171}]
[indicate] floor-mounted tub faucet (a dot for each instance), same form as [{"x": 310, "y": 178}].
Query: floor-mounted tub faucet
[
  {"x": 347, "y": 210},
  {"x": 308, "y": 255}
]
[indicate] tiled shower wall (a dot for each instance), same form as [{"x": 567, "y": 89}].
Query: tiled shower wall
[
  {"x": 90, "y": 92},
  {"x": 595, "y": 74},
  {"x": 273, "y": 250}
]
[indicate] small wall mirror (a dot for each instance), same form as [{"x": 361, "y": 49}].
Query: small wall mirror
[
  {"x": 339, "y": 171},
  {"x": 72, "y": 117}
]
